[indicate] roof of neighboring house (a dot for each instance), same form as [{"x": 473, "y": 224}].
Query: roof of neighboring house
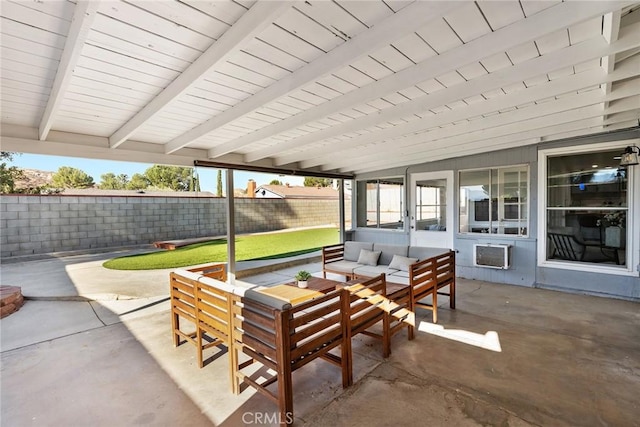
[
  {"x": 96, "y": 192},
  {"x": 299, "y": 192}
]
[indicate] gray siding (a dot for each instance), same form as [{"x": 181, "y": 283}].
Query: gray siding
[{"x": 524, "y": 270}]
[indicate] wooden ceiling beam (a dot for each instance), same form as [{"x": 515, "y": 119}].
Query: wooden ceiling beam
[
  {"x": 254, "y": 21},
  {"x": 576, "y": 54},
  {"x": 555, "y": 88},
  {"x": 545, "y": 22},
  {"x": 83, "y": 16}
]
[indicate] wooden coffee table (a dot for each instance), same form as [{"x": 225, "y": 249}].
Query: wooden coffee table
[{"x": 320, "y": 284}]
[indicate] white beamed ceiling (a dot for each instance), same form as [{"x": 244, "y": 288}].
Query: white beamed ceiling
[{"x": 317, "y": 86}]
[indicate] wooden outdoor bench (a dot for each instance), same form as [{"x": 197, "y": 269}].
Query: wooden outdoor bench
[
  {"x": 427, "y": 277},
  {"x": 201, "y": 297},
  {"x": 285, "y": 338}
]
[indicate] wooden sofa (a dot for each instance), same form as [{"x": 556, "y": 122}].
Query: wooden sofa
[
  {"x": 285, "y": 338},
  {"x": 431, "y": 270},
  {"x": 344, "y": 259}
]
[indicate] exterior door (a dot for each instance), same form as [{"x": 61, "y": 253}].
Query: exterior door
[{"x": 431, "y": 213}]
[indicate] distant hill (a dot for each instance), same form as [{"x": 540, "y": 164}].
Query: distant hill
[{"x": 34, "y": 178}]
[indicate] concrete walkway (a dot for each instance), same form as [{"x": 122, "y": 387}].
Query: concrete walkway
[{"x": 507, "y": 356}]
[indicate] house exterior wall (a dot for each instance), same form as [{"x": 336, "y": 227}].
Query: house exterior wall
[
  {"x": 43, "y": 224},
  {"x": 524, "y": 269}
]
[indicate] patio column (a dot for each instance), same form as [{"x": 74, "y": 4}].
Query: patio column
[
  {"x": 343, "y": 233},
  {"x": 231, "y": 230}
]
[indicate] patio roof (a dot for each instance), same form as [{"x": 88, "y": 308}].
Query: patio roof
[{"x": 339, "y": 87}]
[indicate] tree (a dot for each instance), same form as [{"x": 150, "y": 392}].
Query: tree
[
  {"x": 138, "y": 182},
  {"x": 219, "y": 188},
  {"x": 68, "y": 177},
  {"x": 275, "y": 182},
  {"x": 194, "y": 185},
  {"x": 8, "y": 175},
  {"x": 109, "y": 181},
  {"x": 175, "y": 178},
  {"x": 310, "y": 181}
]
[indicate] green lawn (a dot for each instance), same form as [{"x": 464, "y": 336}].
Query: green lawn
[{"x": 253, "y": 247}]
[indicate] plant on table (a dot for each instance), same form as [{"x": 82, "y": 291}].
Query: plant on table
[{"x": 302, "y": 276}]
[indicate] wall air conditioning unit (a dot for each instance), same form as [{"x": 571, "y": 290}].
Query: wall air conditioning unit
[{"x": 492, "y": 256}]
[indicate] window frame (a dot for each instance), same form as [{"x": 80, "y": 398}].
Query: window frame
[
  {"x": 359, "y": 201},
  {"x": 633, "y": 207},
  {"x": 499, "y": 207}
]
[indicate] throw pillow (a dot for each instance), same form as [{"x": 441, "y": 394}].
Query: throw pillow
[
  {"x": 402, "y": 263},
  {"x": 368, "y": 257}
]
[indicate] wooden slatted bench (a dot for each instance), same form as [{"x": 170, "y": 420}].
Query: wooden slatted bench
[
  {"x": 428, "y": 277},
  {"x": 285, "y": 338},
  {"x": 201, "y": 297}
]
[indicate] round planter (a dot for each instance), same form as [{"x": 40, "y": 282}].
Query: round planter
[{"x": 302, "y": 283}]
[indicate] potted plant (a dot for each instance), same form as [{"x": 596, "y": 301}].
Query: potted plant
[
  {"x": 302, "y": 277},
  {"x": 615, "y": 233}
]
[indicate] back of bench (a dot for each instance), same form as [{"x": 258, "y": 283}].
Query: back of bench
[
  {"x": 422, "y": 278},
  {"x": 445, "y": 268},
  {"x": 182, "y": 294},
  {"x": 367, "y": 304},
  {"x": 214, "y": 301},
  {"x": 332, "y": 253},
  {"x": 216, "y": 271},
  {"x": 285, "y": 338},
  {"x": 275, "y": 333}
]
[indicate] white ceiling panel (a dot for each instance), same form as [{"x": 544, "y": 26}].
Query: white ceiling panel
[
  {"x": 501, "y": 13},
  {"x": 467, "y": 22},
  {"x": 250, "y": 83},
  {"x": 439, "y": 36}
]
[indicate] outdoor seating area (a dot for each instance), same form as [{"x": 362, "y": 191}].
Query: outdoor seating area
[
  {"x": 506, "y": 355},
  {"x": 481, "y": 162},
  {"x": 284, "y": 327}
]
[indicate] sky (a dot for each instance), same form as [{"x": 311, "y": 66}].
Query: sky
[{"x": 96, "y": 168}]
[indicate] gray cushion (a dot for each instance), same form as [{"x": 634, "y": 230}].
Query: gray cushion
[
  {"x": 388, "y": 251},
  {"x": 267, "y": 300},
  {"x": 402, "y": 262},
  {"x": 399, "y": 273},
  {"x": 352, "y": 249},
  {"x": 368, "y": 257},
  {"x": 341, "y": 266},
  {"x": 398, "y": 278},
  {"x": 372, "y": 271}
]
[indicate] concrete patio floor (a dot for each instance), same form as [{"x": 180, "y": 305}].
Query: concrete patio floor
[{"x": 96, "y": 358}]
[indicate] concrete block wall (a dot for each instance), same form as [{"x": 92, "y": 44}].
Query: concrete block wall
[{"x": 33, "y": 224}]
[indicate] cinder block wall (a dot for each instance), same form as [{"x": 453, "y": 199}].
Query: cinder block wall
[{"x": 43, "y": 224}]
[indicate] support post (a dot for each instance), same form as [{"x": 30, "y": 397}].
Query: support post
[
  {"x": 343, "y": 232},
  {"x": 231, "y": 230}
]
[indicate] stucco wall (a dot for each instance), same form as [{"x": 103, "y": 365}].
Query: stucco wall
[{"x": 43, "y": 224}]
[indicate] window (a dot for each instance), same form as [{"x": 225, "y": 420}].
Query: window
[
  {"x": 494, "y": 201},
  {"x": 587, "y": 208},
  {"x": 380, "y": 203},
  {"x": 431, "y": 205}
]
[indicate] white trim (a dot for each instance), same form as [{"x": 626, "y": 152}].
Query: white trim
[
  {"x": 441, "y": 239},
  {"x": 528, "y": 208},
  {"x": 633, "y": 238}
]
